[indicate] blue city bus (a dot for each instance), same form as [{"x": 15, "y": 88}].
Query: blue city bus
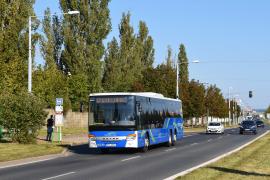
[{"x": 133, "y": 120}]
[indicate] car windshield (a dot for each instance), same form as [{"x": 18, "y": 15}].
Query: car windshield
[
  {"x": 113, "y": 111},
  {"x": 214, "y": 124},
  {"x": 248, "y": 123}
]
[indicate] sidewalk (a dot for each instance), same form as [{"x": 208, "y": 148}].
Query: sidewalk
[{"x": 69, "y": 139}]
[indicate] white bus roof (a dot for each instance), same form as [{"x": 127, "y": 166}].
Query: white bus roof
[{"x": 144, "y": 94}]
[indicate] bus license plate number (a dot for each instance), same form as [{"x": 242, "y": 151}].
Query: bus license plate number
[{"x": 111, "y": 145}]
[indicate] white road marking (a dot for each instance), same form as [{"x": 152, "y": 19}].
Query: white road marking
[
  {"x": 220, "y": 137},
  {"x": 170, "y": 149},
  {"x": 53, "y": 177},
  {"x": 21, "y": 164},
  {"x": 193, "y": 144},
  {"x": 209, "y": 140},
  {"x": 135, "y": 157},
  {"x": 214, "y": 160}
]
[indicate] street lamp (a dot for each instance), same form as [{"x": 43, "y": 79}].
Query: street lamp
[
  {"x": 30, "y": 49},
  {"x": 177, "y": 75}
]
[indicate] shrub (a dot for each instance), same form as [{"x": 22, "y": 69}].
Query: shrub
[{"x": 22, "y": 115}]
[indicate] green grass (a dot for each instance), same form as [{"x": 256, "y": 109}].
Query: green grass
[
  {"x": 251, "y": 163},
  {"x": 66, "y": 131},
  {"x": 13, "y": 151}
]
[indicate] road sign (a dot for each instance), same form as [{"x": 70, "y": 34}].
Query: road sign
[
  {"x": 59, "y": 120},
  {"x": 59, "y": 101},
  {"x": 59, "y": 109}
]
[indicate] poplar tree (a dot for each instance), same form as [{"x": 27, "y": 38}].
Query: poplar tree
[
  {"x": 112, "y": 71},
  {"x": 14, "y": 43},
  {"x": 184, "y": 80},
  {"x": 83, "y": 45},
  {"x": 130, "y": 62},
  {"x": 49, "y": 81},
  {"x": 145, "y": 43}
]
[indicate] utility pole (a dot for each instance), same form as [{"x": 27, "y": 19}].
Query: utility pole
[{"x": 229, "y": 106}]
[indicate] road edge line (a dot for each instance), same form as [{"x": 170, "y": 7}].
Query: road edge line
[
  {"x": 31, "y": 160},
  {"x": 182, "y": 173}
]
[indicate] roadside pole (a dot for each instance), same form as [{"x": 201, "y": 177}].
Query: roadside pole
[{"x": 59, "y": 118}]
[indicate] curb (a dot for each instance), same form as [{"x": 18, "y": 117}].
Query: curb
[
  {"x": 215, "y": 159},
  {"x": 31, "y": 160}
]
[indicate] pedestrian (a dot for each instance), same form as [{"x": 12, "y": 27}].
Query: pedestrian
[{"x": 50, "y": 124}]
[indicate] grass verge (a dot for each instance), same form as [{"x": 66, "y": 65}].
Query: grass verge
[
  {"x": 66, "y": 131},
  {"x": 252, "y": 162},
  {"x": 14, "y": 151}
]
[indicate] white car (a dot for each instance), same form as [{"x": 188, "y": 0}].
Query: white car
[{"x": 215, "y": 127}]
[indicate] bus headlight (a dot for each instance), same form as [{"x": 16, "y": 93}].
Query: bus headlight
[
  {"x": 131, "y": 137},
  {"x": 92, "y": 137}
]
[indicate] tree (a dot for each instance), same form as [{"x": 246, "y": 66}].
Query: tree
[
  {"x": 22, "y": 115},
  {"x": 267, "y": 111},
  {"x": 162, "y": 78},
  {"x": 14, "y": 43},
  {"x": 197, "y": 93},
  {"x": 215, "y": 102},
  {"x": 145, "y": 43},
  {"x": 49, "y": 81},
  {"x": 129, "y": 56},
  {"x": 184, "y": 80},
  {"x": 112, "y": 72},
  {"x": 83, "y": 43}
]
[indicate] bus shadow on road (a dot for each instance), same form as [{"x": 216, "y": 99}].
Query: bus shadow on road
[{"x": 84, "y": 149}]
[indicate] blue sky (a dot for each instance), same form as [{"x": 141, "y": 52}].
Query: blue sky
[{"x": 230, "y": 38}]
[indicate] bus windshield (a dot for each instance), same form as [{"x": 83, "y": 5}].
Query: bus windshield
[{"x": 113, "y": 111}]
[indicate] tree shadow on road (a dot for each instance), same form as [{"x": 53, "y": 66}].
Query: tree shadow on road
[{"x": 240, "y": 172}]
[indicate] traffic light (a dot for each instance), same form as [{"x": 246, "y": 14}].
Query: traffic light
[{"x": 250, "y": 94}]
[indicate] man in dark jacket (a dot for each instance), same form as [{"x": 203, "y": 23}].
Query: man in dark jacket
[{"x": 50, "y": 123}]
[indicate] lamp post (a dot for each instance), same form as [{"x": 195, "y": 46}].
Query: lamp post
[
  {"x": 30, "y": 48},
  {"x": 177, "y": 76}
]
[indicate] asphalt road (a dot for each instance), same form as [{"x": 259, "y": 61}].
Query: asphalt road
[{"x": 159, "y": 163}]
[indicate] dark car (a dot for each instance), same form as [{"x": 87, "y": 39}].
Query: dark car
[
  {"x": 248, "y": 126},
  {"x": 260, "y": 123}
]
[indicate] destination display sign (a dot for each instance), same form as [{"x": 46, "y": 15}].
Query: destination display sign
[{"x": 104, "y": 100}]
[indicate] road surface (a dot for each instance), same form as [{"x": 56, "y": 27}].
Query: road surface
[{"x": 159, "y": 163}]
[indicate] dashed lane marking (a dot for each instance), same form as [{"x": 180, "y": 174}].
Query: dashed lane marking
[
  {"x": 170, "y": 149},
  {"x": 53, "y": 177},
  {"x": 135, "y": 157}
]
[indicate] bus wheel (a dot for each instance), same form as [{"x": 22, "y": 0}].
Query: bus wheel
[
  {"x": 169, "y": 143},
  {"x": 146, "y": 144}
]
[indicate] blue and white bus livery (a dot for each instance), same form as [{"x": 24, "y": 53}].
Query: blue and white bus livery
[{"x": 133, "y": 120}]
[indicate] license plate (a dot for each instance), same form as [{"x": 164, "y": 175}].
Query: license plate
[
  {"x": 247, "y": 129},
  {"x": 110, "y": 145}
]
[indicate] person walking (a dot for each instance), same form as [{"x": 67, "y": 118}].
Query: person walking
[{"x": 50, "y": 124}]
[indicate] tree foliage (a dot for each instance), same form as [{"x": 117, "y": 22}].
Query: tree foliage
[
  {"x": 22, "y": 115},
  {"x": 14, "y": 43}
]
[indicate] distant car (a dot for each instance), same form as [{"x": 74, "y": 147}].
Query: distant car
[
  {"x": 260, "y": 123},
  {"x": 248, "y": 126},
  {"x": 215, "y": 127}
]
